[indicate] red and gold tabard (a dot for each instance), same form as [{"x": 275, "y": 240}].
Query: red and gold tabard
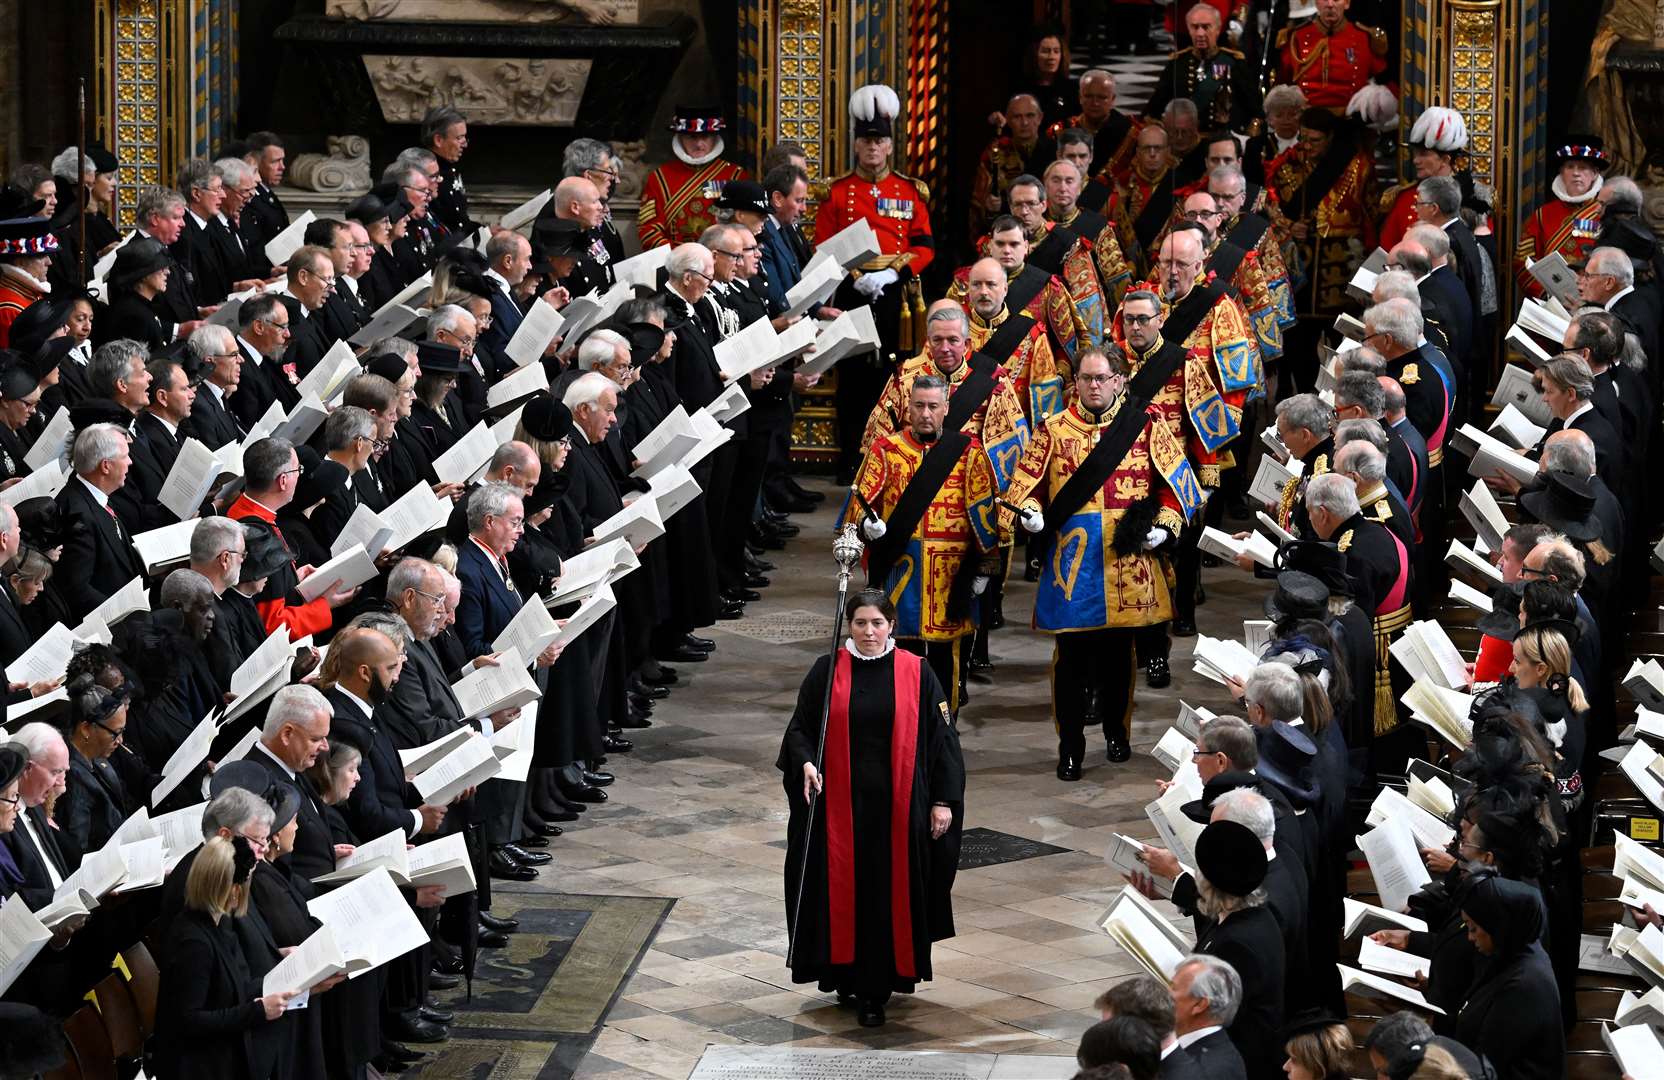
[
  {"x": 1340, "y": 227},
  {"x": 677, "y": 198},
  {"x": 1571, "y": 228},
  {"x": 1113, "y": 157},
  {"x": 1330, "y": 68},
  {"x": 999, "y": 425},
  {"x": 1034, "y": 373},
  {"x": 962, "y": 522},
  {"x": 1114, "y": 271},
  {"x": 1255, "y": 288},
  {"x": 1085, "y": 583},
  {"x": 1053, "y": 308}
]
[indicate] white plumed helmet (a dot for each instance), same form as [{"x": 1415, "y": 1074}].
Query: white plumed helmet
[
  {"x": 1440, "y": 129},
  {"x": 874, "y": 108},
  {"x": 1375, "y": 105}
]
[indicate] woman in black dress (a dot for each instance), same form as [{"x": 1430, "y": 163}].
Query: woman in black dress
[
  {"x": 1231, "y": 866},
  {"x": 384, "y": 222},
  {"x": 210, "y": 1009},
  {"x": 1512, "y": 1011},
  {"x": 864, "y": 930},
  {"x": 139, "y": 276}
]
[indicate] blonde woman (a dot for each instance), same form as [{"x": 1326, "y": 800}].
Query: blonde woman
[
  {"x": 213, "y": 1019},
  {"x": 1319, "y": 1047}
]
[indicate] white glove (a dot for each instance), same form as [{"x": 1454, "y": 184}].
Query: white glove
[
  {"x": 871, "y": 285},
  {"x": 1032, "y": 521},
  {"x": 1375, "y": 105},
  {"x": 979, "y": 585},
  {"x": 1157, "y": 537},
  {"x": 873, "y": 528}
]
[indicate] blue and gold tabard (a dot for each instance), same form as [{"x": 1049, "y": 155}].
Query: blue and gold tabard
[
  {"x": 962, "y": 522},
  {"x": 999, "y": 426},
  {"x": 1056, "y": 307}
]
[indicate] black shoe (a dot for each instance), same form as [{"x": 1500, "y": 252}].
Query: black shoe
[
  {"x": 491, "y": 939},
  {"x": 664, "y": 678},
  {"x": 537, "y": 838},
  {"x": 871, "y": 1015},
  {"x": 683, "y": 655},
  {"x": 399, "y": 1056},
  {"x": 1183, "y": 628},
  {"x": 642, "y": 705},
  {"x": 598, "y": 778},
  {"x": 730, "y": 611},
  {"x": 527, "y": 858},
  {"x": 1157, "y": 675},
  {"x": 757, "y": 581},
  {"x": 802, "y": 492},
  {"x": 558, "y": 814},
  {"x": 613, "y": 744},
  {"x": 703, "y": 644},
  {"x": 996, "y": 621},
  {"x": 742, "y": 596},
  {"x": 501, "y": 925},
  {"x": 649, "y": 691},
  {"x": 438, "y": 980},
  {"x": 767, "y": 540},
  {"x": 505, "y": 867},
  {"x": 447, "y": 966},
  {"x": 403, "y": 1027},
  {"x": 981, "y": 670},
  {"x": 586, "y": 794},
  {"x": 1119, "y": 749},
  {"x": 1031, "y": 572},
  {"x": 753, "y": 563},
  {"x": 795, "y": 506},
  {"x": 435, "y": 1016},
  {"x": 635, "y": 721},
  {"x": 1068, "y": 768},
  {"x": 785, "y": 529}
]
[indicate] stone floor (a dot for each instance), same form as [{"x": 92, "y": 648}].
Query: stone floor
[{"x": 698, "y": 814}]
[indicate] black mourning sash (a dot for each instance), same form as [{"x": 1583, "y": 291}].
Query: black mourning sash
[
  {"x": 1088, "y": 223},
  {"x": 1244, "y": 237},
  {"x": 1093, "y": 197},
  {"x": 1089, "y": 477},
  {"x": 1043, "y": 262},
  {"x": 939, "y": 460},
  {"x": 1157, "y": 209}
]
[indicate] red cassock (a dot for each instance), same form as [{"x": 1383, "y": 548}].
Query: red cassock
[
  {"x": 310, "y": 617},
  {"x": 878, "y": 888}
]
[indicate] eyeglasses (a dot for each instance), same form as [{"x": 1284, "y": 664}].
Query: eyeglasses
[
  {"x": 1198, "y": 215},
  {"x": 1026, "y": 204},
  {"x": 278, "y": 327},
  {"x": 435, "y": 598},
  {"x": 1138, "y": 320},
  {"x": 363, "y": 247},
  {"x": 701, "y": 273},
  {"x": 243, "y": 554},
  {"x": 15, "y": 800},
  {"x": 118, "y": 736},
  {"x": 258, "y": 843},
  {"x": 1094, "y": 380},
  {"x": 289, "y": 472},
  {"x": 611, "y": 174}
]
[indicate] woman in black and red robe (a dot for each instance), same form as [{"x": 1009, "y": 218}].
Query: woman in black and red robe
[{"x": 880, "y": 891}]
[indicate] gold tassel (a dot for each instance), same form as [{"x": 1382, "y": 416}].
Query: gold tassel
[{"x": 1386, "y": 706}]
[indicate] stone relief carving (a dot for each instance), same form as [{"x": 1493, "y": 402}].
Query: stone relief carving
[
  {"x": 345, "y": 168},
  {"x": 632, "y": 170},
  {"x": 491, "y": 90},
  {"x": 597, "y": 12}
]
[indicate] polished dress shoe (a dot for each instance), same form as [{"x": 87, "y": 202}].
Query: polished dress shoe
[
  {"x": 441, "y": 981},
  {"x": 598, "y": 777},
  {"x": 435, "y": 1016},
  {"x": 981, "y": 670},
  {"x": 448, "y": 966},
  {"x": 742, "y": 596},
  {"x": 1068, "y": 768},
  {"x": 411, "y": 1028},
  {"x": 784, "y": 529},
  {"x": 683, "y": 655},
  {"x": 586, "y": 794},
  {"x": 491, "y": 939},
  {"x": 1119, "y": 749},
  {"x": 1157, "y": 675},
  {"x": 802, "y": 492},
  {"x": 558, "y": 814},
  {"x": 755, "y": 580},
  {"x": 703, "y": 644},
  {"x": 641, "y": 703},
  {"x": 527, "y": 858},
  {"x": 503, "y": 925},
  {"x": 870, "y": 1013},
  {"x": 635, "y": 720},
  {"x": 664, "y": 678},
  {"x": 613, "y": 744},
  {"x": 731, "y": 610},
  {"x": 506, "y": 867},
  {"x": 534, "y": 838},
  {"x": 756, "y": 565},
  {"x": 767, "y": 539},
  {"x": 399, "y": 1057},
  {"x": 649, "y": 691}
]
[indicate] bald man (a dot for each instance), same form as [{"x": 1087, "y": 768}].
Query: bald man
[
  {"x": 1017, "y": 151},
  {"x": 576, "y": 199}
]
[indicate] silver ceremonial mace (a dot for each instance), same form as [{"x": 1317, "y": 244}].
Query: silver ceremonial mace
[{"x": 846, "y": 550}]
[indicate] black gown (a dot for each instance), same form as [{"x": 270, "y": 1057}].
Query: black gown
[{"x": 938, "y": 777}]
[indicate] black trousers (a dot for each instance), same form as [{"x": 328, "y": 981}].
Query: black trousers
[
  {"x": 750, "y": 457},
  {"x": 1092, "y": 683},
  {"x": 947, "y": 660}
]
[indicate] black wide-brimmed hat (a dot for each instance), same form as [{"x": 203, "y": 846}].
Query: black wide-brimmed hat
[
  {"x": 1322, "y": 560},
  {"x": 266, "y": 551},
  {"x": 138, "y": 259},
  {"x": 438, "y": 358},
  {"x": 14, "y": 758},
  {"x": 546, "y": 419},
  {"x": 1565, "y": 503},
  {"x": 1201, "y": 810},
  {"x": 743, "y": 195},
  {"x": 1503, "y": 620},
  {"x": 390, "y": 366},
  {"x": 1298, "y": 595},
  {"x": 559, "y": 238},
  {"x": 50, "y": 354},
  {"x": 283, "y": 797},
  {"x": 1231, "y": 857},
  {"x": 39, "y": 321},
  {"x": 1286, "y": 756}
]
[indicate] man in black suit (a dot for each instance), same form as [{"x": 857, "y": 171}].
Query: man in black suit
[
  {"x": 576, "y": 199},
  {"x": 264, "y": 215},
  {"x": 159, "y": 432},
  {"x": 295, "y": 733},
  {"x": 160, "y": 213},
  {"x": 97, "y": 547},
  {"x": 311, "y": 284},
  {"x": 195, "y": 249},
  {"x": 247, "y": 266},
  {"x": 1146, "y": 998},
  {"x": 1439, "y": 204},
  {"x": 1568, "y": 388},
  {"x": 1607, "y": 280},
  {"x": 15, "y": 637},
  {"x": 1452, "y": 298},
  {"x": 220, "y": 363},
  {"x": 339, "y": 312},
  {"x": 221, "y": 552},
  {"x": 1207, "y": 992},
  {"x": 263, "y": 333}
]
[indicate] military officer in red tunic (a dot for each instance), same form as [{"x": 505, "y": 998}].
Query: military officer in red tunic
[
  {"x": 898, "y": 209},
  {"x": 1331, "y": 58},
  {"x": 677, "y": 198},
  {"x": 1438, "y": 147},
  {"x": 1570, "y": 221}
]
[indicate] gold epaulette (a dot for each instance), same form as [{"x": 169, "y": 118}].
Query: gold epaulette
[
  {"x": 1383, "y": 511},
  {"x": 1411, "y": 375},
  {"x": 924, "y": 188},
  {"x": 1344, "y": 542},
  {"x": 1231, "y": 52},
  {"x": 1377, "y": 39},
  {"x": 1283, "y": 36},
  {"x": 1390, "y": 196}
]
